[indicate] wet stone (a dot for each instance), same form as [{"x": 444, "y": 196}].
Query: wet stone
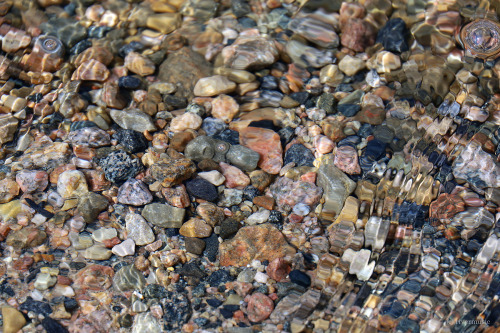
[
  {"x": 132, "y": 141},
  {"x": 128, "y": 278},
  {"x": 349, "y": 110},
  {"x": 393, "y": 36},
  {"x": 164, "y": 215},
  {"x": 299, "y": 155},
  {"x": 118, "y": 166},
  {"x": 244, "y": 158},
  {"x": 134, "y": 192},
  {"x": 129, "y": 82},
  {"x": 90, "y": 205},
  {"x": 201, "y": 188}
]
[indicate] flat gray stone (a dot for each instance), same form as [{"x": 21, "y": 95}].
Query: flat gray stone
[
  {"x": 164, "y": 215},
  {"x": 133, "y": 119}
]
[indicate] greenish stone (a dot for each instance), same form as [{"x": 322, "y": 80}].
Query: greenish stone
[
  {"x": 164, "y": 215},
  {"x": 242, "y": 157}
]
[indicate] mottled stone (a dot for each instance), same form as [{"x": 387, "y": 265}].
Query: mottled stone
[
  {"x": 164, "y": 215},
  {"x": 32, "y": 180},
  {"x": 250, "y": 52},
  {"x": 89, "y": 136},
  {"x": 71, "y": 183},
  {"x": 289, "y": 193},
  {"x": 244, "y": 158},
  {"x": 195, "y": 228},
  {"x": 139, "y": 230},
  {"x": 336, "y": 186},
  {"x": 9, "y": 189},
  {"x": 259, "y": 242},
  {"x": 90, "y": 205},
  {"x": 357, "y": 34},
  {"x": 164, "y": 22},
  {"x": 185, "y": 121},
  {"x": 118, "y": 166},
  {"x": 278, "y": 269},
  {"x": 267, "y": 143},
  {"x": 172, "y": 172},
  {"x": 224, "y": 107},
  {"x": 300, "y": 155},
  {"x": 25, "y": 238},
  {"x": 259, "y": 307},
  {"x": 97, "y": 252},
  {"x": 8, "y": 126},
  {"x": 446, "y": 206},
  {"x": 134, "y": 192},
  {"x": 315, "y": 30},
  {"x": 91, "y": 70},
  {"x": 346, "y": 159}
]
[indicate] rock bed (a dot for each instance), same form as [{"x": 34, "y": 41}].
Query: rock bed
[{"x": 247, "y": 166}]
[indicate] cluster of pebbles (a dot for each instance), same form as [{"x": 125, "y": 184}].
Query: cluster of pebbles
[{"x": 249, "y": 166}]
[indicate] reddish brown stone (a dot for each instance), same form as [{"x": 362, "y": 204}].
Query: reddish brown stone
[
  {"x": 241, "y": 288},
  {"x": 267, "y": 143},
  {"x": 176, "y": 196},
  {"x": 259, "y": 307},
  {"x": 264, "y": 201},
  {"x": 95, "y": 277},
  {"x": 446, "y": 206},
  {"x": 371, "y": 115},
  {"x": 278, "y": 269},
  {"x": 54, "y": 175},
  {"x": 109, "y": 243},
  {"x": 96, "y": 180},
  {"x": 260, "y": 242},
  {"x": 180, "y": 140},
  {"x": 357, "y": 34},
  {"x": 23, "y": 264},
  {"x": 172, "y": 172}
]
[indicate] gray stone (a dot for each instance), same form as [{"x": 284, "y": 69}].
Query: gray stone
[
  {"x": 139, "y": 230},
  {"x": 129, "y": 278},
  {"x": 90, "y": 205},
  {"x": 205, "y": 147},
  {"x": 164, "y": 215},
  {"x": 97, "y": 252},
  {"x": 244, "y": 158},
  {"x": 336, "y": 188},
  {"x": 132, "y": 119}
]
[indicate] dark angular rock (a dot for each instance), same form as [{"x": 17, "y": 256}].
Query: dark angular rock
[
  {"x": 70, "y": 304},
  {"x": 131, "y": 47},
  {"x": 228, "y": 135},
  {"x": 194, "y": 245},
  {"x": 300, "y": 155},
  {"x": 348, "y": 110},
  {"x": 228, "y": 228},
  {"x": 36, "y": 306},
  {"x": 176, "y": 310},
  {"x": 52, "y": 326},
  {"x": 132, "y": 141},
  {"x": 129, "y": 82},
  {"x": 275, "y": 217},
  {"x": 212, "y": 247},
  {"x": 118, "y": 166},
  {"x": 393, "y": 36},
  {"x": 214, "y": 302},
  {"x": 155, "y": 291},
  {"x": 250, "y": 192},
  {"x": 240, "y": 8},
  {"x": 219, "y": 277},
  {"x": 300, "y": 278},
  {"x": 202, "y": 189}
]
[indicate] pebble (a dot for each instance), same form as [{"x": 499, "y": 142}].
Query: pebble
[
  {"x": 213, "y": 85},
  {"x": 134, "y": 192},
  {"x": 394, "y": 35},
  {"x": 224, "y": 107},
  {"x": 201, "y": 188},
  {"x": 71, "y": 184},
  {"x": 118, "y": 166},
  {"x": 299, "y": 155},
  {"x": 164, "y": 215},
  {"x": 13, "y": 320},
  {"x": 346, "y": 159},
  {"x": 132, "y": 141},
  {"x": 125, "y": 248},
  {"x": 185, "y": 122},
  {"x": 267, "y": 143},
  {"x": 195, "y": 228},
  {"x": 139, "y": 230},
  {"x": 254, "y": 243},
  {"x": 258, "y": 217},
  {"x": 259, "y": 307},
  {"x": 250, "y": 52},
  {"x": 132, "y": 119},
  {"x": 30, "y": 181},
  {"x": 350, "y": 65},
  {"x": 235, "y": 178},
  {"x": 128, "y": 278},
  {"x": 97, "y": 252},
  {"x": 214, "y": 177},
  {"x": 90, "y": 205}
]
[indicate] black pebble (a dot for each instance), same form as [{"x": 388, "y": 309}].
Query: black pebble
[
  {"x": 275, "y": 217},
  {"x": 211, "y": 248},
  {"x": 36, "y": 306},
  {"x": 219, "y": 277},
  {"x": 131, "y": 47},
  {"x": 264, "y": 124},
  {"x": 52, "y": 326},
  {"x": 80, "y": 47},
  {"x": 228, "y": 228},
  {"x": 193, "y": 269},
  {"x": 300, "y": 278},
  {"x": 228, "y": 135},
  {"x": 250, "y": 192},
  {"x": 286, "y": 135},
  {"x": 202, "y": 189},
  {"x": 70, "y": 304},
  {"x": 393, "y": 36},
  {"x": 118, "y": 166},
  {"x": 348, "y": 110},
  {"x": 214, "y": 302},
  {"x": 299, "y": 154},
  {"x": 129, "y": 82},
  {"x": 131, "y": 140},
  {"x": 155, "y": 291},
  {"x": 301, "y": 96}
]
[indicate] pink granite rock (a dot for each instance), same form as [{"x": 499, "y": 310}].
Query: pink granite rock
[
  {"x": 259, "y": 307},
  {"x": 346, "y": 159},
  {"x": 224, "y": 107},
  {"x": 267, "y": 143},
  {"x": 235, "y": 178},
  {"x": 32, "y": 180}
]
